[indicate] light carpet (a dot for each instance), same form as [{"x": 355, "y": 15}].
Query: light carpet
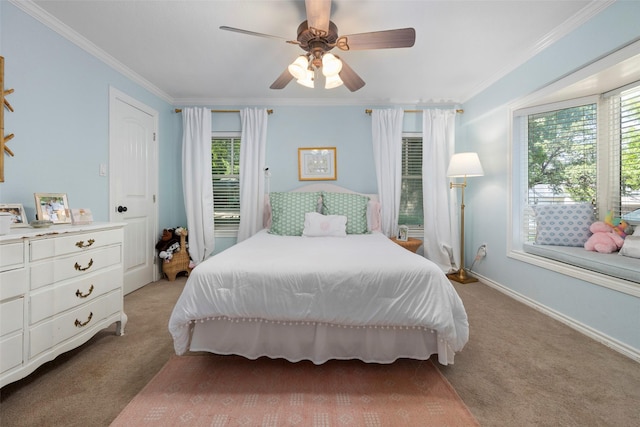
[{"x": 221, "y": 391}]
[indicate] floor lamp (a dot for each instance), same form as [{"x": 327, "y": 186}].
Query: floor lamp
[{"x": 463, "y": 165}]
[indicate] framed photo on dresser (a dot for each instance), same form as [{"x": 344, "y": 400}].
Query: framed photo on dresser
[
  {"x": 18, "y": 216},
  {"x": 53, "y": 207}
]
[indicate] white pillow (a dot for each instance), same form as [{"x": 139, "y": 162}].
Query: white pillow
[
  {"x": 318, "y": 225},
  {"x": 631, "y": 247}
]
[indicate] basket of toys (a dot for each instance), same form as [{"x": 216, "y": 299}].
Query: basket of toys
[{"x": 173, "y": 250}]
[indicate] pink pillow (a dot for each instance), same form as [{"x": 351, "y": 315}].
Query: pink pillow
[{"x": 373, "y": 216}]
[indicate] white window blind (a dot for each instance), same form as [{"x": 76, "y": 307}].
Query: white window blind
[
  {"x": 225, "y": 170},
  {"x": 622, "y": 129},
  {"x": 411, "y": 209}
]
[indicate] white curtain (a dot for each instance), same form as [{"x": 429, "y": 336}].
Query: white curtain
[
  {"x": 196, "y": 181},
  {"x": 387, "y": 155},
  {"x": 441, "y": 224},
  {"x": 252, "y": 164}
]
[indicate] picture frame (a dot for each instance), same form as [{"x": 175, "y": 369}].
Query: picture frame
[
  {"x": 403, "y": 233},
  {"x": 317, "y": 164},
  {"x": 81, "y": 216},
  {"x": 18, "y": 215},
  {"x": 53, "y": 207}
]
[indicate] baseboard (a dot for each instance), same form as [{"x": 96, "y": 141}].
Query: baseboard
[{"x": 596, "y": 335}]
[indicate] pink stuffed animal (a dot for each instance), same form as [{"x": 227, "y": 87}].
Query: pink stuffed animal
[{"x": 604, "y": 239}]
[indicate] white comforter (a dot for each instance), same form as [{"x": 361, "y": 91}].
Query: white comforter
[{"x": 355, "y": 280}]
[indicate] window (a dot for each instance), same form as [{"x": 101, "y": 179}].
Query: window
[
  {"x": 411, "y": 211},
  {"x": 586, "y": 150},
  {"x": 225, "y": 171},
  {"x": 622, "y": 128}
]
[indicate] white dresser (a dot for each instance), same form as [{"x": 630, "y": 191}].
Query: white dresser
[{"x": 59, "y": 286}]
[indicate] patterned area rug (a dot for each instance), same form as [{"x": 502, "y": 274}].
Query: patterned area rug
[{"x": 222, "y": 391}]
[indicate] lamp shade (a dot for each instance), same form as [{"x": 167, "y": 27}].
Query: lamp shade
[
  {"x": 333, "y": 82},
  {"x": 331, "y": 65},
  {"x": 298, "y": 68},
  {"x": 307, "y": 80},
  {"x": 465, "y": 164}
]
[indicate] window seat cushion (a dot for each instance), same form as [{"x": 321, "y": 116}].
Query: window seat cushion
[{"x": 614, "y": 265}]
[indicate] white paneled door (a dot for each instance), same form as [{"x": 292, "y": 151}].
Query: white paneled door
[{"x": 133, "y": 182}]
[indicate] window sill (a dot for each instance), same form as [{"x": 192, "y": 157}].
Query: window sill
[{"x": 621, "y": 285}]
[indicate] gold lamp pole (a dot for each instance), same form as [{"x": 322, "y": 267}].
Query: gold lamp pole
[{"x": 463, "y": 165}]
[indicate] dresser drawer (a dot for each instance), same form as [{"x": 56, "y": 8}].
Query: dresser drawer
[
  {"x": 51, "y": 300},
  {"x": 13, "y": 283},
  {"x": 77, "y": 243},
  {"x": 11, "y": 316},
  {"x": 13, "y": 286},
  {"x": 60, "y": 328},
  {"x": 11, "y": 256},
  {"x": 10, "y": 352},
  {"x": 51, "y": 271}
]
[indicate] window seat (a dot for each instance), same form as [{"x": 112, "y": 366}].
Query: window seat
[{"x": 614, "y": 265}]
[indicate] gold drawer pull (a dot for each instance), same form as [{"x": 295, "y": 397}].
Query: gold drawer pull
[
  {"x": 81, "y": 295},
  {"x": 77, "y": 266},
  {"x": 81, "y": 244},
  {"x": 80, "y": 324}
]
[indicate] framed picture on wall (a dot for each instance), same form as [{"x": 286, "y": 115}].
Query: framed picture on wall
[
  {"x": 18, "y": 216},
  {"x": 53, "y": 207},
  {"x": 317, "y": 164}
]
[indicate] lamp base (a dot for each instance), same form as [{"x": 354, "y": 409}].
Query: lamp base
[{"x": 461, "y": 276}]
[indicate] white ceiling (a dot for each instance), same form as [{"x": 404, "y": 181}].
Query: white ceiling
[{"x": 176, "y": 49}]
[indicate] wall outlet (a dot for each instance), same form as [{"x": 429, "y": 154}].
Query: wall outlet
[{"x": 482, "y": 250}]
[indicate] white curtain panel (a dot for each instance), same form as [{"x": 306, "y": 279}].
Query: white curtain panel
[
  {"x": 441, "y": 223},
  {"x": 252, "y": 164},
  {"x": 196, "y": 181},
  {"x": 387, "y": 155}
]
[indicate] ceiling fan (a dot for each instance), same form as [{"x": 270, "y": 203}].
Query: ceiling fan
[{"x": 317, "y": 36}]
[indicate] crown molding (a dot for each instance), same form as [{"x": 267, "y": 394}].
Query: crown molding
[
  {"x": 568, "y": 26},
  {"x": 313, "y": 102},
  {"x": 44, "y": 17}
]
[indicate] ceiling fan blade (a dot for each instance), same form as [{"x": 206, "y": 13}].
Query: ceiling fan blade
[
  {"x": 282, "y": 80},
  {"x": 250, "y": 33},
  {"x": 351, "y": 80},
  {"x": 403, "y": 37},
  {"x": 318, "y": 14}
]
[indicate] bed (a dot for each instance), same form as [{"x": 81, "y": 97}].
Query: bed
[{"x": 325, "y": 294}]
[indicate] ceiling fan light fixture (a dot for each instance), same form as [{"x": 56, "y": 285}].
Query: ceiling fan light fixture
[
  {"x": 307, "y": 79},
  {"x": 298, "y": 68},
  {"x": 333, "y": 82},
  {"x": 331, "y": 65}
]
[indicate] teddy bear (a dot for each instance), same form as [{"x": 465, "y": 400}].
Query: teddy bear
[{"x": 604, "y": 239}]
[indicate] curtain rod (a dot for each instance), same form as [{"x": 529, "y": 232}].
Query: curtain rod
[
  {"x": 369, "y": 110},
  {"x": 179, "y": 110}
]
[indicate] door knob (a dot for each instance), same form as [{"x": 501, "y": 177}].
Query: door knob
[{"x": 122, "y": 209}]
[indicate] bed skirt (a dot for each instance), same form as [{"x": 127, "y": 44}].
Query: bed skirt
[{"x": 317, "y": 342}]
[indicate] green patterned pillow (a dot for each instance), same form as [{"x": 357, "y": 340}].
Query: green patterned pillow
[
  {"x": 288, "y": 209},
  {"x": 353, "y": 206}
]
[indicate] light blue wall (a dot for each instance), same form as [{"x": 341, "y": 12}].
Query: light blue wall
[
  {"x": 61, "y": 120},
  {"x": 485, "y": 129}
]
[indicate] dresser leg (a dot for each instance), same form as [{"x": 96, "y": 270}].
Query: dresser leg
[{"x": 120, "y": 324}]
